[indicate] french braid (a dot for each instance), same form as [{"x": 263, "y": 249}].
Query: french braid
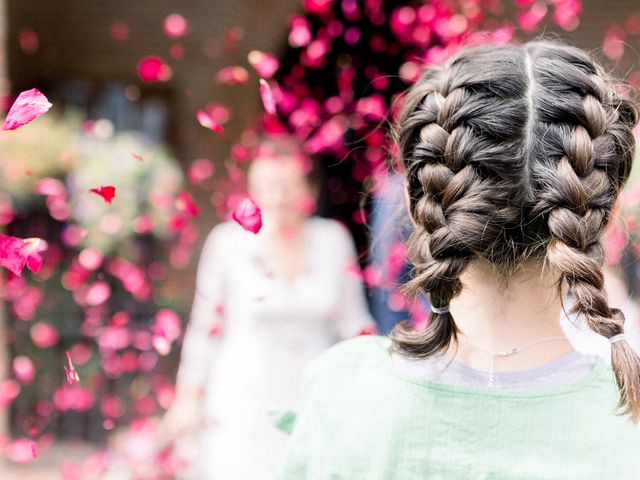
[{"x": 588, "y": 134}]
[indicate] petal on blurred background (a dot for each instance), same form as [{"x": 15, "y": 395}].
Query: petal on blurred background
[
  {"x": 233, "y": 75},
  {"x": 200, "y": 170},
  {"x": 15, "y": 253},
  {"x": 154, "y": 69},
  {"x": 72, "y": 375},
  {"x": 264, "y": 63},
  {"x": 247, "y": 214},
  {"x": 175, "y": 26},
  {"x": 268, "y": 100},
  {"x": 29, "y": 105},
  {"x": 106, "y": 191},
  {"x": 23, "y": 369},
  {"x": 208, "y": 121}
]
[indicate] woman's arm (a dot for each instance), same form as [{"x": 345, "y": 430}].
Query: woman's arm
[
  {"x": 352, "y": 316},
  {"x": 202, "y": 333}
]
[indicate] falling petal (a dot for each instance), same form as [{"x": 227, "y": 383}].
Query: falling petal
[
  {"x": 23, "y": 369},
  {"x": 247, "y": 214},
  {"x": 175, "y": 26},
  {"x": 15, "y": 253},
  {"x": 44, "y": 335},
  {"x": 106, "y": 191},
  {"x": 207, "y": 121},
  {"x": 300, "y": 34},
  {"x": 264, "y": 63},
  {"x": 28, "y": 40},
  {"x": 119, "y": 31},
  {"x": 529, "y": 19},
  {"x": 268, "y": 100},
  {"x": 186, "y": 204},
  {"x": 154, "y": 69},
  {"x": 29, "y": 105},
  {"x": 233, "y": 75},
  {"x": 200, "y": 170},
  {"x": 72, "y": 375},
  {"x": 9, "y": 390}
]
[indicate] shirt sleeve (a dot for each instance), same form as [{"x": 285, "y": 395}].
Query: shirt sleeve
[
  {"x": 200, "y": 342},
  {"x": 352, "y": 315}
]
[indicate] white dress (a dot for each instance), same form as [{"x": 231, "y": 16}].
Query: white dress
[{"x": 269, "y": 331}]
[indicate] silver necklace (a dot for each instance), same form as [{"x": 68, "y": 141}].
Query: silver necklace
[{"x": 513, "y": 351}]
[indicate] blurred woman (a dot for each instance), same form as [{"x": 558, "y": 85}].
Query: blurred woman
[{"x": 264, "y": 305}]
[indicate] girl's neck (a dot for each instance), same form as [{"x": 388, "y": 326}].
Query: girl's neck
[
  {"x": 501, "y": 319},
  {"x": 282, "y": 231}
]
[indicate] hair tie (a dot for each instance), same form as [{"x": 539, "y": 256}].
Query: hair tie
[
  {"x": 440, "y": 309},
  {"x": 617, "y": 338}
]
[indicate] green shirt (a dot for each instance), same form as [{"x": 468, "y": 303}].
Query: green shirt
[{"x": 359, "y": 416}]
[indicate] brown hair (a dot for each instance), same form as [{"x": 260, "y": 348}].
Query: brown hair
[{"x": 516, "y": 152}]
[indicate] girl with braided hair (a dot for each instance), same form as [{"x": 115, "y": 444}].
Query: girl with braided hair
[{"x": 514, "y": 156}]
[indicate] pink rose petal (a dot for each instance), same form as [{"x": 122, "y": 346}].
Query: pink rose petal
[
  {"x": 119, "y": 31},
  {"x": 268, "y": 100},
  {"x": 233, "y": 75},
  {"x": 200, "y": 170},
  {"x": 154, "y": 69},
  {"x": 28, "y": 40},
  {"x": 207, "y": 121},
  {"x": 247, "y": 214},
  {"x": 106, "y": 191},
  {"x": 264, "y": 63},
  {"x": 15, "y": 253},
  {"x": 9, "y": 390},
  {"x": 29, "y": 105},
  {"x": 23, "y": 369},
  {"x": 44, "y": 335},
  {"x": 175, "y": 26},
  {"x": 72, "y": 375}
]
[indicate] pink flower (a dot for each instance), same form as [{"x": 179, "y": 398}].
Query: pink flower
[
  {"x": 264, "y": 63},
  {"x": 247, "y": 214},
  {"x": 29, "y": 105},
  {"x": 106, "y": 191},
  {"x": 16, "y": 252},
  {"x": 72, "y": 375},
  {"x": 154, "y": 69}
]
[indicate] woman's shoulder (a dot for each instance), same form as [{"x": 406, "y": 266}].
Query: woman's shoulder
[
  {"x": 225, "y": 229},
  {"x": 327, "y": 225}
]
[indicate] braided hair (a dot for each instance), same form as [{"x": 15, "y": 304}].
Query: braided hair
[{"x": 511, "y": 153}]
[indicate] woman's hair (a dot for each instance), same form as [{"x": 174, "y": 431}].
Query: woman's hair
[{"x": 511, "y": 153}]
